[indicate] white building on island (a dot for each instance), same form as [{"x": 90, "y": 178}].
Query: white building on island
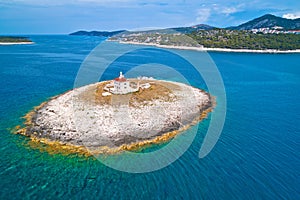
[{"x": 121, "y": 85}]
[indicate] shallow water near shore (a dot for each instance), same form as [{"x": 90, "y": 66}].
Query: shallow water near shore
[{"x": 256, "y": 156}]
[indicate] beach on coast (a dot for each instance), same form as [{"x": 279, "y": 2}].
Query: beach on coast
[
  {"x": 212, "y": 49},
  {"x": 14, "y": 43}
]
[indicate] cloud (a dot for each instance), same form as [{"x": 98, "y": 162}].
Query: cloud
[
  {"x": 291, "y": 15},
  {"x": 229, "y": 10},
  {"x": 203, "y": 15}
]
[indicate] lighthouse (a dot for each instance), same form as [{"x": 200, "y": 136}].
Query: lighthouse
[{"x": 121, "y": 85}]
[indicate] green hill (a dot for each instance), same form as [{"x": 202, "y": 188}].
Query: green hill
[{"x": 269, "y": 21}]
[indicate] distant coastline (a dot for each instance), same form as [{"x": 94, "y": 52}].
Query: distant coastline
[
  {"x": 212, "y": 49},
  {"x": 265, "y": 34},
  {"x": 14, "y": 40}
]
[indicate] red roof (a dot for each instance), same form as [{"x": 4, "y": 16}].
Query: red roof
[{"x": 120, "y": 79}]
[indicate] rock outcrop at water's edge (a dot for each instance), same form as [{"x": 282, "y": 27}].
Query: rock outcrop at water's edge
[{"x": 83, "y": 121}]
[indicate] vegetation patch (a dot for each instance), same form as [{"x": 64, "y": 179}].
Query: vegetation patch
[
  {"x": 12, "y": 39},
  {"x": 161, "y": 91},
  {"x": 234, "y": 39}
]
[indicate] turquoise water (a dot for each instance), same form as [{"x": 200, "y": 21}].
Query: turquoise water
[{"x": 256, "y": 157}]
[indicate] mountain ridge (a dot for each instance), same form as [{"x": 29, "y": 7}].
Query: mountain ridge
[
  {"x": 98, "y": 33},
  {"x": 269, "y": 21},
  {"x": 183, "y": 30},
  {"x": 265, "y": 21}
]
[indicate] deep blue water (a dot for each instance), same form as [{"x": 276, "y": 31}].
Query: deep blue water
[{"x": 256, "y": 157}]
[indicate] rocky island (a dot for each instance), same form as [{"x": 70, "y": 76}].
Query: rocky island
[
  {"x": 12, "y": 40},
  {"x": 117, "y": 115}
]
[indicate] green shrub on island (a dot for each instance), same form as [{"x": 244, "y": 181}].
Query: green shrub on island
[
  {"x": 222, "y": 38},
  {"x": 13, "y": 39}
]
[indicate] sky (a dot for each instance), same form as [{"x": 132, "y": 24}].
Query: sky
[{"x": 66, "y": 16}]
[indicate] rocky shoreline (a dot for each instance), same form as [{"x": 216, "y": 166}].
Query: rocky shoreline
[{"x": 78, "y": 122}]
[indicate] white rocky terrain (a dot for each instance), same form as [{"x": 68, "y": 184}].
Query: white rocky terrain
[{"x": 71, "y": 118}]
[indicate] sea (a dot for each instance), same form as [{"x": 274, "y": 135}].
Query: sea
[{"x": 256, "y": 157}]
